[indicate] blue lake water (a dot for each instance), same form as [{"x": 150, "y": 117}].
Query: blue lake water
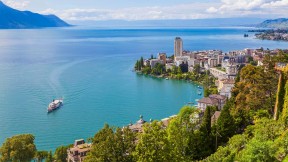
[{"x": 91, "y": 69}]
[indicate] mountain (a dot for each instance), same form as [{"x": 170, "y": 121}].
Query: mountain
[
  {"x": 276, "y": 23},
  {"x": 15, "y": 19}
]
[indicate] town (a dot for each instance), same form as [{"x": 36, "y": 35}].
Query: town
[
  {"x": 222, "y": 66},
  {"x": 276, "y": 35}
]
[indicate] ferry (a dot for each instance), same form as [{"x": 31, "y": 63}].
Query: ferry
[{"x": 55, "y": 104}]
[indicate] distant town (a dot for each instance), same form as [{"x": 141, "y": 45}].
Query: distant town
[{"x": 272, "y": 34}]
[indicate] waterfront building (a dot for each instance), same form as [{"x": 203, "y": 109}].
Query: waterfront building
[
  {"x": 179, "y": 60},
  {"x": 79, "y": 151},
  {"x": 206, "y": 101},
  {"x": 178, "y": 47},
  {"x": 162, "y": 56},
  {"x": 153, "y": 62},
  {"x": 213, "y": 100},
  {"x": 146, "y": 62}
]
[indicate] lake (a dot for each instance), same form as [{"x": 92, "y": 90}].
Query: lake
[{"x": 91, "y": 69}]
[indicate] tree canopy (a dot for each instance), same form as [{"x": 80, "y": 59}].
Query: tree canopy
[{"x": 19, "y": 148}]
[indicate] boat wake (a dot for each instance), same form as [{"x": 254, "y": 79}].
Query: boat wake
[{"x": 55, "y": 75}]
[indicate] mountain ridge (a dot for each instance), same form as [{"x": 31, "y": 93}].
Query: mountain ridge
[
  {"x": 279, "y": 23},
  {"x": 14, "y": 19}
]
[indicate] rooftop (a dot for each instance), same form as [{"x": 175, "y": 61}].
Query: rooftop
[{"x": 208, "y": 100}]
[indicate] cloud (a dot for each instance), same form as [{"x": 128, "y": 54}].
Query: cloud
[
  {"x": 181, "y": 11},
  {"x": 211, "y": 10},
  {"x": 16, "y": 4},
  {"x": 250, "y": 7}
]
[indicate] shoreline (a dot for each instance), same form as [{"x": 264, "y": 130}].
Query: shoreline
[{"x": 169, "y": 77}]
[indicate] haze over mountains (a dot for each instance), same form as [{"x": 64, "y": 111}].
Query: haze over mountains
[
  {"x": 15, "y": 19},
  {"x": 276, "y": 23}
]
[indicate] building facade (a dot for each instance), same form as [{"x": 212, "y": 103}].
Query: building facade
[
  {"x": 178, "y": 47},
  {"x": 79, "y": 151}
]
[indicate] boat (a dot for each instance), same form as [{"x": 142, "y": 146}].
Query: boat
[
  {"x": 54, "y": 105},
  {"x": 167, "y": 78}
]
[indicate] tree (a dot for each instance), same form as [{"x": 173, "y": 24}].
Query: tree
[
  {"x": 49, "y": 157},
  {"x": 153, "y": 144},
  {"x": 258, "y": 151},
  {"x": 205, "y": 134},
  {"x": 225, "y": 125},
  {"x": 256, "y": 90},
  {"x": 136, "y": 67},
  {"x": 112, "y": 145},
  {"x": 60, "y": 154},
  {"x": 41, "y": 155},
  {"x": 196, "y": 69},
  {"x": 184, "y": 67},
  {"x": 179, "y": 130},
  {"x": 18, "y": 148},
  {"x": 141, "y": 62}
]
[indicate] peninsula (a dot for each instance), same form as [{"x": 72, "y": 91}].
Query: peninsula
[{"x": 278, "y": 30}]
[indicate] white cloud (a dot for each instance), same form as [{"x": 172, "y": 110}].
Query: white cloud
[
  {"x": 266, "y": 8},
  {"x": 181, "y": 11},
  {"x": 17, "y": 4},
  {"x": 275, "y": 4},
  {"x": 211, "y": 10}
]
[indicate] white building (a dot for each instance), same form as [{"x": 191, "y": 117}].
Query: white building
[
  {"x": 178, "y": 47},
  {"x": 179, "y": 60},
  {"x": 212, "y": 62},
  {"x": 225, "y": 87}
]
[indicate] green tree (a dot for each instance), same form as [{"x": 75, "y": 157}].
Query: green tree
[
  {"x": 256, "y": 90},
  {"x": 179, "y": 131},
  {"x": 258, "y": 151},
  {"x": 230, "y": 151},
  {"x": 153, "y": 144},
  {"x": 205, "y": 134},
  {"x": 141, "y": 62},
  {"x": 60, "y": 154},
  {"x": 136, "y": 67},
  {"x": 225, "y": 125},
  {"x": 49, "y": 157},
  {"x": 19, "y": 148},
  {"x": 41, "y": 155},
  {"x": 196, "y": 69},
  {"x": 110, "y": 145}
]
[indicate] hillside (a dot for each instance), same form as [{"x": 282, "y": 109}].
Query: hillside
[
  {"x": 276, "y": 23},
  {"x": 15, "y": 19}
]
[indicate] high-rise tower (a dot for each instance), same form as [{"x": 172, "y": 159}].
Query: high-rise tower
[{"x": 178, "y": 47}]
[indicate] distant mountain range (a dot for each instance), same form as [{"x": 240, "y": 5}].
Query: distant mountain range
[
  {"x": 276, "y": 23},
  {"x": 15, "y": 19}
]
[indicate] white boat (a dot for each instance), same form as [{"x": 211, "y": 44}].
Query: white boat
[{"x": 55, "y": 104}]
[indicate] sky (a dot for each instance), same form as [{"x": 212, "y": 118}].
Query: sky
[{"x": 87, "y": 10}]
